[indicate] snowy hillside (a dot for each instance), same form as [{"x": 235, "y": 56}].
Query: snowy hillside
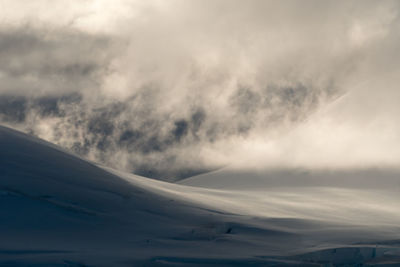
[{"x": 57, "y": 209}]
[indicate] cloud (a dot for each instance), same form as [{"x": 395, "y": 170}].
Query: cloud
[
  {"x": 40, "y": 62},
  {"x": 170, "y": 89}
]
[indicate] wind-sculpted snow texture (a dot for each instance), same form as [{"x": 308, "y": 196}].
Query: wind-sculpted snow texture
[{"x": 60, "y": 210}]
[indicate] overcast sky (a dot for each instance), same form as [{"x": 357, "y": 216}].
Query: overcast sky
[{"x": 167, "y": 88}]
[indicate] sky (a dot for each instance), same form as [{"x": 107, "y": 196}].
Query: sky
[{"x": 173, "y": 88}]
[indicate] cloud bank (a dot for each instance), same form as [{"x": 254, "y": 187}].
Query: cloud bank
[{"x": 171, "y": 89}]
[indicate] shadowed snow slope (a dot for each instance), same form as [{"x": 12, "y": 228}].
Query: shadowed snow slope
[{"x": 59, "y": 210}]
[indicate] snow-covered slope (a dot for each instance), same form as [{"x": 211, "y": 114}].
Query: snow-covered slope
[
  {"x": 260, "y": 179},
  {"x": 59, "y": 210}
]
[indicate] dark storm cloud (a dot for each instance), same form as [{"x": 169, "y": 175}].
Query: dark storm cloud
[
  {"x": 274, "y": 105},
  {"x": 52, "y": 105},
  {"x": 17, "y": 108},
  {"x": 151, "y": 145},
  {"x": 13, "y": 108}
]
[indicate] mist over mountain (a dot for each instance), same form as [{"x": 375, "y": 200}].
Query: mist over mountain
[
  {"x": 172, "y": 90},
  {"x": 270, "y": 130}
]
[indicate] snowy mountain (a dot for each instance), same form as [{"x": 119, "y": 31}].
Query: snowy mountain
[{"x": 57, "y": 209}]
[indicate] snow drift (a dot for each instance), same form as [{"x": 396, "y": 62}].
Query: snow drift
[{"x": 57, "y": 209}]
